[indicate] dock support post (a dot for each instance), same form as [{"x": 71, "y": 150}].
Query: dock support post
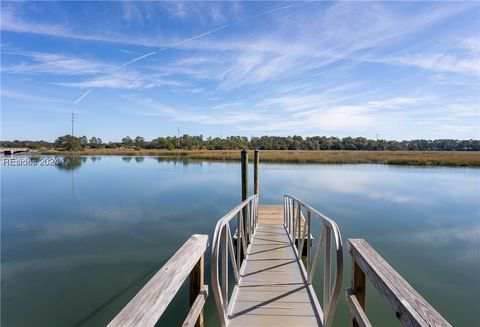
[
  {"x": 244, "y": 174},
  {"x": 358, "y": 287},
  {"x": 256, "y": 162},
  {"x": 197, "y": 280}
]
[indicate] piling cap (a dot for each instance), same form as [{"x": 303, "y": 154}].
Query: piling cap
[{"x": 244, "y": 150}]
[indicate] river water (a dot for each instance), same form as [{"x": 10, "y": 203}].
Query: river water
[{"x": 79, "y": 239}]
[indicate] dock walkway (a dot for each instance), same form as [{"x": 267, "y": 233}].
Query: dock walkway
[
  {"x": 272, "y": 290},
  {"x": 273, "y": 254}
]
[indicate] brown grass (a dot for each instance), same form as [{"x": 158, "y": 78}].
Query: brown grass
[{"x": 421, "y": 158}]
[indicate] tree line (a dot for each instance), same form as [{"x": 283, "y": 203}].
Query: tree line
[{"x": 188, "y": 142}]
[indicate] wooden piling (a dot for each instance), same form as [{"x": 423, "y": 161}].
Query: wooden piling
[
  {"x": 256, "y": 162},
  {"x": 358, "y": 288},
  {"x": 244, "y": 174},
  {"x": 197, "y": 284}
]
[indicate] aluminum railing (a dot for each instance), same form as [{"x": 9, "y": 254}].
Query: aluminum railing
[
  {"x": 298, "y": 221},
  {"x": 246, "y": 214}
]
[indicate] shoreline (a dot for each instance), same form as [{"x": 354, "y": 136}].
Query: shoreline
[{"x": 406, "y": 158}]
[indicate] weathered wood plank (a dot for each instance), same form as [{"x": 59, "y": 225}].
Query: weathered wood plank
[
  {"x": 356, "y": 310},
  {"x": 151, "y": 301},
  {"x": 272, "y": 290},
  {"x": 409, "y": 306},
  {"x": 196, "y": 309}
]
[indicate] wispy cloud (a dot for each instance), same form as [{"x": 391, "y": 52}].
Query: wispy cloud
[
  {"x": 27, "y": 97},
  {"x": 56, "y": 64},
  {"x": 312, "y": 68}
]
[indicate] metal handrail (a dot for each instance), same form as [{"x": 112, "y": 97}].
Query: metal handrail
[
  {"x": 293, "y": 219},
  {"x": 222, "y": 246}
]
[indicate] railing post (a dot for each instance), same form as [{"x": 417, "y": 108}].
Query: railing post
[
  {"x": 256, "y": 163},
  {"x": 309, "y": 220},
  {"x": 224, "y": 254},
  {"x": 358, "y": 287},
  {"x": 244, "y": 167},
  {"x": 299, "y": 226},
  {"x": 239, "y": 242},
  {"x": 197, "y": 280},
  {"x": 293, "y": 221},
  {"x": 327, "y": 270}
]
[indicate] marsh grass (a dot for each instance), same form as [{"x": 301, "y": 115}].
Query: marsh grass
[{"x": 417, "y": 158}]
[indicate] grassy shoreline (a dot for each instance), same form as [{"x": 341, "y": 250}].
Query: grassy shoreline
[{"x": 416, "y": 158}]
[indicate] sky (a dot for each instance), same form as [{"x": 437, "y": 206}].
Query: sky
[{"x": 402, "y": 70}]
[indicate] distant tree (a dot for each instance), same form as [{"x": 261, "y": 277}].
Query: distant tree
[
  {"x": 127, "y": 142},
  {"x": 68, "y": 142},
  {"x": 139, "y": 142},
  {"x": 84, "y": 141},
  {"x": 264, "y": 143},
  {"x": 95, "y": 142}
]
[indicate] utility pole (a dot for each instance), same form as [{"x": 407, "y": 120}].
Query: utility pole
[
  {"x": 73, "y": 120},
  {"x": 178, "y": 138}
]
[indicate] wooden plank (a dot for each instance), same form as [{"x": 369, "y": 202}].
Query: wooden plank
[
  {"x": 151, "y": 301},
  {"x": 356, "y": 310},
  {"x": 409, "y": 306},
  {"x": 272, "y": 290},
  {"x": 262, "y": 320},
  {"x": 196, "y": 309}
]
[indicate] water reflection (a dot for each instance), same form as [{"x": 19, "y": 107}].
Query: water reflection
[
  {"x": 88, "y": 245},
  {"x": 70, "y": 163},
  {"x": 177, "y": 160}
]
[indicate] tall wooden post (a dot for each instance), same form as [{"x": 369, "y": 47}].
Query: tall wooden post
[
  {"x": 244, "y": 174},
  {"x": 197, "y": 280},
  {"x": 256, "y": 162}
]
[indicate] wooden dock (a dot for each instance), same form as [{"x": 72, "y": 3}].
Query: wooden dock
[
  {"x": 273, "y": 259},
  {"x": 272, "y": 290}
]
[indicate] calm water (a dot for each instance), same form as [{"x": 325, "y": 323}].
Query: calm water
[{"x": 79, "y": 239}]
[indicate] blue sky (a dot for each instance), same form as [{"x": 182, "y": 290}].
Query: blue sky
[{"x": 404, "y": 70}]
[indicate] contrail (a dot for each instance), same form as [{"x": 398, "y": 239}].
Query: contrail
[
  {"x": 140, "y": 58},
  {"x": 202, "y": 35},
  {"x": 83, "y": 96},
  {"x": 176, "y": 44},
  {"x": 273, "y": 10}
]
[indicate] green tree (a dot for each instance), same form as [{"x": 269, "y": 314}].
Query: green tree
[
  {"x": 68, "y": 142},
  {"x": 95, "y": 142},
  {"x": 84, "y": 141},
  {"x": 127, "y": 142},
  {"x": 139, "y": 142}
]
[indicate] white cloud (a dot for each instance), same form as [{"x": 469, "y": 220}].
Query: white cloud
[
  {"x": 27, "y": 97},
  {"x": 439, "y": 62}
]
